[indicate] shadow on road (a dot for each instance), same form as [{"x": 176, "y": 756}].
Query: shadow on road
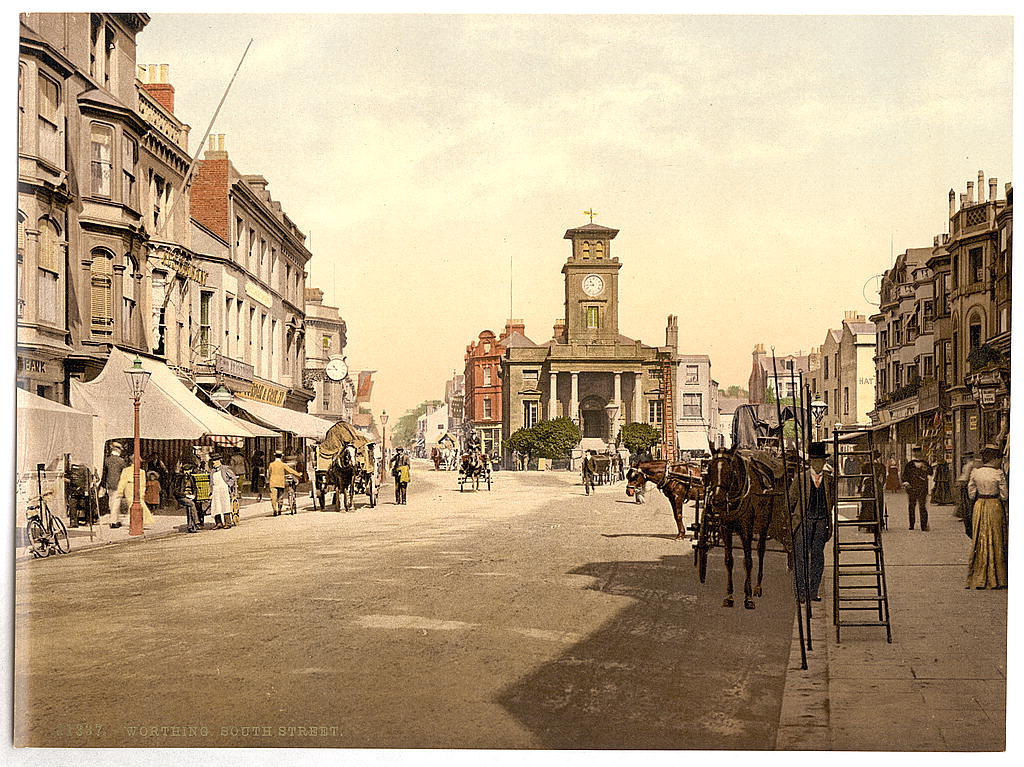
[
  {"x": 672, "y": 670},
  {"x": 666, "y": 536}
]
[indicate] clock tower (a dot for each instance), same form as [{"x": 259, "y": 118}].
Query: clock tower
[{"x": 591, "y": 286}]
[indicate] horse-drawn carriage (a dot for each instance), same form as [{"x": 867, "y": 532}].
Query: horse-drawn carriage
[
  {"x": 474, "y": 469},
  {"x": 346, "y": 463}
]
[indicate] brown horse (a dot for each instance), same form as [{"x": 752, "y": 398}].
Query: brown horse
[
  {"x": 742, "y": 496},
  {"x": 680, "y": 482}
]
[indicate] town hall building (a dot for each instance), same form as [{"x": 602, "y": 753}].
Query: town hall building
[{"x": 589, "y": 371}]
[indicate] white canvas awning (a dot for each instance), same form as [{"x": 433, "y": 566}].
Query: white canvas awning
[
  {"x": 284, "y": 419},
  {"x": 169, "y": 410},
  {"x": 47, "y": 430}
]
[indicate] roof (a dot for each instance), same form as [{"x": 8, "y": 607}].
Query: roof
[
  {"x": 861, "y": 327},
  {"x": 591, "y": 228},
  {"x": 729, "y": 404},
  {"x": 285, "y": 419},
  {"x": 836, "y": 334},
  {"x": 517, "y": 340}
]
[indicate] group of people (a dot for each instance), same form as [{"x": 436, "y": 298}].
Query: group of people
[
  {"x": 591, "y": 471},
  {"x": 982, "y": 504}
]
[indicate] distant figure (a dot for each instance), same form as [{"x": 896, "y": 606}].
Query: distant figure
[
  {"x": 988, "y": 491},
  {"x": 126, "y": 490},
  {"x": 256, "y": 473},
  {"x": 892, "y": 477},
  {"x": 400, "y": 471},
  {"x": 112, "y": 467},
  {"x": 915, "y": 481},
  {"x": 185, "y": 494},
  {"x": 963, "y": 510},
  {"x": 153, "y": 489},
  {"x": 942, "y": 489},
  {"x": 276, "y": 480},
  {"x": 589, "y": 472},
  {"x": 238, "y": 465},
  {"x": 222, "y": 487}
]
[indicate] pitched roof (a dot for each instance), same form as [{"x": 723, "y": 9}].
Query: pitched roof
[
  {"x": 515, "y": 339},
  {"x": 729, "y": 404},
  {"x": 591, "y": 228},
  {"x": 861, "y": 327}
]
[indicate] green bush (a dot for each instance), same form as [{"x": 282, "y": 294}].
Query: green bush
[{"x": 639, "y": 437}]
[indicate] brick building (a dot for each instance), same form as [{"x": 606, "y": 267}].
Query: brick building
[{"x": 482, "y": 377}]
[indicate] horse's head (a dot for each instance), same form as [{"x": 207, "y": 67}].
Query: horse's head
[
  {"x": 635, "y": 481},
  {"x": 723, "y": 477},
  {"x": 348, "y": 456}
]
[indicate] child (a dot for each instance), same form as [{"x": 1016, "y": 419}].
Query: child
[{"x": 152, "y": 493}]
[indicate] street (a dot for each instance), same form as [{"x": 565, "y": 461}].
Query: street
[{"x": 530, "y": 616}]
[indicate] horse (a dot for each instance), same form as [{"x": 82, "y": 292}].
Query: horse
[
  {"x": 742, "y": 495},
  {"x": 472, "y": 468},
  {"x": 676, "y": 482},
  {"x": 341, "y": 474},
  {"x": 449, "y": 456}
]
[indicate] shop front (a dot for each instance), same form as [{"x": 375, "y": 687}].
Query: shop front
[{"x": 41, "y": 373}]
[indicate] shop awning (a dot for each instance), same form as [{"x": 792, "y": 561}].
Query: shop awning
[
  {"x": 283, "y": 419},
  {"x": 692, "y": 439},
  {"x": 169, "y": 410},
  {"x": 47, "y": 430}
]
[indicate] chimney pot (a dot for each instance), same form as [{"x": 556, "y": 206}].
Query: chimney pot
[
  {"x": 981, "y": 186},
  {"x": 952, "y": 203},
  {"x": 970, "y": 193},
  {"x": 993, "y": 186}
]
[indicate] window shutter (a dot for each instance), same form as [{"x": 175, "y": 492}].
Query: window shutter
[{"x": 100, "y": 295}]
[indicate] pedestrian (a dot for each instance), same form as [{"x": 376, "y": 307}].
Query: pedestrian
[
  {"x": 238, "y": 465},
  {"x": 818, "y": 490},
  {"x": 112, "y": 468},
  {"x": 942, "y": 491},
  {"x": 126, "y": 490},
  {"x": 400, "y": 471},
  {"x": 153, "y": 489},
  {"x": 851, "y": 466},
  {"x": 963, "y": 510},
  {"x": 222, "y": 487},
  {"x": 589, "y": 471},
  {"x": 256, "y": 474},
  {"x": 915, "y": 482},
  {"x": 988, "y": 491},
  {"x": 892, "y": 477},
  {"x": 276, "y": 473},
  {"x": 185, "y": 492}
]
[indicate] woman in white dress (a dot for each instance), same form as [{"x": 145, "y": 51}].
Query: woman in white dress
[{"x": 222, "y": 486}]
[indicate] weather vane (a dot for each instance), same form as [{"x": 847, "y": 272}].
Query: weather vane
[{"x": 590, "y": 213}]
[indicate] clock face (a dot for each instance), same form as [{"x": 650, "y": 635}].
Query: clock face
[
  {"x": 593, "y": 285},
  {"x": 336, "y": 369}
]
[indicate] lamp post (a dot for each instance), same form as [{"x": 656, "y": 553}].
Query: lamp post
[
  {"x": 383, "y": 444},
  {"x": 137, "y": 379},
  {"x": 819, "y": 410}
]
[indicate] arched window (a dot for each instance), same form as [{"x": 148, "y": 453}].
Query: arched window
[
  {"x": 975, "y": 331},
  {"x": 129, "y": 285},
  {"x": 101, "y": 293},
  {"x": 598, "y": 250},
  {"x": 48, "y": 272}
]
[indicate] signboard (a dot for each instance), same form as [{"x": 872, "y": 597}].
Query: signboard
[
  {"x": 262, "y": 392},
  {"x": 183, "y": 267},
  {"x": 928, "y": 396},
  {"x": 28, "y": 366},
  {"x": 256, "y": 293},
  {"x": 232, "y": 367}
]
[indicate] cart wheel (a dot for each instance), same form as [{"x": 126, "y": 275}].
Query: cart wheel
[{"x": 60, "y": 536}]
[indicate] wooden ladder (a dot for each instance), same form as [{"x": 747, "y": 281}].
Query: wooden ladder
[{"x": 858, "y": 572}]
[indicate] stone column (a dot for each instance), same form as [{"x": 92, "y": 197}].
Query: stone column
[
  {"x": 574, "y": 398},
  {"x": 553, "y": 398},
  {"x": 638, "y": 398},
  {"x": 620, "y": 411}
]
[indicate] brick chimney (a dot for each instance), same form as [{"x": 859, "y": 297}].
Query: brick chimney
[
  {"x": 209, "y": 193},
  {"x": 672, "y": 332},
  {"x": 513, "y": 326},
  {"x": 314, "y": 296},
  {"x": 154, "y": 80},
  {"x": 558, "y": 334}
]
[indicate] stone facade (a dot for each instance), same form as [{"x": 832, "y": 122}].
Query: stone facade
[
  {"x": 844, "y": 377},
  {"x": 326, "y": 337}
]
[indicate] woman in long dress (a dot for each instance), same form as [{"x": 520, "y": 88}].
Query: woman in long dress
[
  {"x": 222, "y": 481},
  {"x": 987, "y": 489}
]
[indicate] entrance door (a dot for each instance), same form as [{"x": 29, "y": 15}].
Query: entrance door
[{"x": 595, "y": 424}]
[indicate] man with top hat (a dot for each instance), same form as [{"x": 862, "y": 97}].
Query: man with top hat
[
  {"x": 812, "y": 524},
  {"x": 915, "y": 482}
]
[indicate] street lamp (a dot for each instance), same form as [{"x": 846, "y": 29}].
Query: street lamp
[
  {"x": 137, "y": 379},
  {"x": 383, "y": 443},
  {"x": 819, "y": 410}
]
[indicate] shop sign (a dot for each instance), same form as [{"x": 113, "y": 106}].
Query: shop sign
[
  {"x": 29, "y": 366},
  {"x": 183, "y": 267},
  {"x": 256, "y": 293},
  {"x": 988, "y": 396},
  {"x": 232, "y": 367},
  {"x": 261, "y": 392},
  {"x": 972, "y": 423},
  {"x": 928, "y": 396}
]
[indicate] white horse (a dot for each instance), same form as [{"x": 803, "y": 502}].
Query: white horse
[{"x": 449, "y": 456}]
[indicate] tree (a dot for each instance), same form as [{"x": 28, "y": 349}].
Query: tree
[
  {"x": 734, "y": 392},
  {"x": 555, "y": 438},
  {"x": 522, "y": 441},
  {"x": 403, "y": 433},
  {"x": 639, "y": 437}
]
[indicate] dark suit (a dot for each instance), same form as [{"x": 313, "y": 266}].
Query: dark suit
[
  {"x": 915, "y": 477},
  {"x": 818, "y": 502}
]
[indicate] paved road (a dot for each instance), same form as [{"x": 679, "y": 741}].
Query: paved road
[{"x": 527, "y": 617}]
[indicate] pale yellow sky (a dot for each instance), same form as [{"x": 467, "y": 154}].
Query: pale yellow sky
[{"x": 757, "y": 167}]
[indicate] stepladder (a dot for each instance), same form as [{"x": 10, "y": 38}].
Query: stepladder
[{"x": 859, "y": 588}]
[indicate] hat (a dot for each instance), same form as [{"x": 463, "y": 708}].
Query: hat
[
  {"x": 278, "y": 453},
  {"x": 917, "y": 448},
  {"x": 817, "y": 450},
  {"x": 152, "y": 475},
  {"x": 215, "y": 457}
]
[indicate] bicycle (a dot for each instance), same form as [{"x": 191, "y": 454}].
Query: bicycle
[
  {"x": 290, "y": 504},
  {"x": 46, "y": 533}
]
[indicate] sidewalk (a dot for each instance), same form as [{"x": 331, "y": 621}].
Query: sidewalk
[
  {"x": 940, "y": 685},
  {"x": 169, "y": 520}
]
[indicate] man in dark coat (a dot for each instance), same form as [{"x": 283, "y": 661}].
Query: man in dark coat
[
  {"x": 589, "y": 471},
  {"x": 112, "y": 468},
  {"x": 915, "y": 482},
  {"x": 815, "y": 531}
]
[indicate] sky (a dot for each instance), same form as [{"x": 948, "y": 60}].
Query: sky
[{"x": 761, "y": 170}]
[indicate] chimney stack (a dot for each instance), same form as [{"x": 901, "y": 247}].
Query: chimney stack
[
  {"x": 514, "y": 326},
  {"x": 993, "y": 185},
  {"x": 215, "y": 147},
  {"x": 154, "y": 81},
  {"x": 672, "y": 332},
  {"x": 952, "y": 203},
  {"x": 981, "y": 186},
  {"x": 558, "y": 332},
  {"x": 970, "y": 193},
  {"x": 963, "y": 200}
]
